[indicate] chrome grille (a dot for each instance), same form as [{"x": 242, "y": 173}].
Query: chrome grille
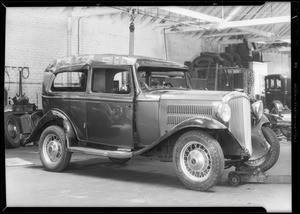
[
  {"x": 178, "y": 113},
  {"x": 240, "y": 121}
]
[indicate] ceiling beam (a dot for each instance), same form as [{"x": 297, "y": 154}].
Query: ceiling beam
[
  {"x": 225, "y": 23},
  {"x": 93, "y": 11},
  {"x": 257, "y": 32},
  {"x": 226, "y": 34},
  {"x": 261, "y": 21},
  {"x": 258, "y": 40},
  {"x": 191, "y": 13}
]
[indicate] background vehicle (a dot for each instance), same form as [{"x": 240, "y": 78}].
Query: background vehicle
[
  {"x": 120, "y": 107},
  {"x": 277, "y": 93},
  {"x": 278, "y": 102},
  {"x": 20, "y": 116}
]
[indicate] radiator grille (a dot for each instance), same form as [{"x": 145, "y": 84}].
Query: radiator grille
[
  {"x": 240, "y": 121},
  {"x": 178, "y": 113}
]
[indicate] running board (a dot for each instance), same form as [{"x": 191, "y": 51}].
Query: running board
[{"x": 99, "y": 152}]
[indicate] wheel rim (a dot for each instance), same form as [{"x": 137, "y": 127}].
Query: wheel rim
[
  {"x": 52, "y": 149},
  {"x": 195, "y": 161},
  {"x": 12, "y": 129}
]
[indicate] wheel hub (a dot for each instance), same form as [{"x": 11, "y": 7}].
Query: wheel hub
[
  {"x": 195, "y": 161},
  {"x": 53, "y": 148}
]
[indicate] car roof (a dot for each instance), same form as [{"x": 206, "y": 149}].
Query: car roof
[{"x": 110, "y": 59}]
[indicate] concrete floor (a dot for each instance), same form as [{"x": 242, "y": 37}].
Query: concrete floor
[{"x": 92, "y": 181}]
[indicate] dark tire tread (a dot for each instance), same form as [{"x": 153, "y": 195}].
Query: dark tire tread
[
  {"x": 66, "y": 156},
  {"x": 216, "y": 153}
]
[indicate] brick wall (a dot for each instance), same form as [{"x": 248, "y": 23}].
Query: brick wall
[
  {"x": 34, "y": 37},
  {"x": 182, "y": 47}
]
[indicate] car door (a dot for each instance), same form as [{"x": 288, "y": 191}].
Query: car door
[
  {"x": 110, "y": 107},
  {"x": 68, "y": 94}
]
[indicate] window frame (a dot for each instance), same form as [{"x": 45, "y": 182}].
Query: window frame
[
  {"x": 67, "y": 89},
  {"x": 121, "y": 68}
]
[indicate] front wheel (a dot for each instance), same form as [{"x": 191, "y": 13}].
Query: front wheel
[
  {"x": 198, "y": 160},
  {"x": 53, "y": 150},
  {"x": 266, "y": 162}
]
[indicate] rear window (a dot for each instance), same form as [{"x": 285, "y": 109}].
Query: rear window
[{"x": 70, "y": 81}]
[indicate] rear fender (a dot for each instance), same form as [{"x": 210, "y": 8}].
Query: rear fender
[
  {"x": 52, "y": 117},
  {"x": 228, "y": 143}
]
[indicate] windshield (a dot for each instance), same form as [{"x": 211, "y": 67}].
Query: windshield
[{"x": 156, "y": 80}]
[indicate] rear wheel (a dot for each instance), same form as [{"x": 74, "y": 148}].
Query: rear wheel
[
  {"x": 198, "y": 160},
  {"x": 52, "y": 149},
  {"x": 12, "y": 132},
  {"x": 266, "y": 162}
]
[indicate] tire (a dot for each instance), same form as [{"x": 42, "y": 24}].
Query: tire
[
  {"x": 52, "y": 149},
  {"x": 202, "y": 61},
  {"x": 268, "y": 161},
  {"x": 228, "y": 57},
  {"x": 12, "y": 132},
  {"x": 205, "y": 160},
  {"x": 119, "y": 160}
]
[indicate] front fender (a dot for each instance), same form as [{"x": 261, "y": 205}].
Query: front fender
[
  {"x": 263, "y": 120},
  {"x": 52, "y": 117},
  {"x": 196, "y": 122}
]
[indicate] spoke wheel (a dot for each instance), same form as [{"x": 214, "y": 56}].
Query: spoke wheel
[
  {"x": 52, "y": 149},
  {"x": 195, "y": 160},
  {"x": 198, "y": 160}
]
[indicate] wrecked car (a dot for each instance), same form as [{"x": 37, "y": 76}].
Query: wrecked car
[{"x": 123, "y": 106}]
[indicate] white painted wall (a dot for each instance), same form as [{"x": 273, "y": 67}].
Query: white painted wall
[
  {"x": 36, "y": 36},
  {"x": 278, "y": 63}
]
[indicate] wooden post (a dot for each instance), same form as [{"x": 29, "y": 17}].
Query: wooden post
[{"x": 216, "y": 76}]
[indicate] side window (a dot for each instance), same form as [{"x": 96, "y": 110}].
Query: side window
[
  {"x": 113, "y": 81},
  {"x": 70, "y": 81},
  {"x": 278, "y": 84},
  {"x": 272, "y": 83}
]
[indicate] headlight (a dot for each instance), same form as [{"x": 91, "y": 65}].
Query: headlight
[
  {"x": 257, "y": 109},
  {"x": 224, "y": 112}
]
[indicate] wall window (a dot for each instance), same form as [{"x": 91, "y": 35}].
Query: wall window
[
  {"x": 113, "y": 81},
  {"x": 70, "y": 81}
]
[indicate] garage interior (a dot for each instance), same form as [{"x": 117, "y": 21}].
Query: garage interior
[{"x": 227, "y": 47}]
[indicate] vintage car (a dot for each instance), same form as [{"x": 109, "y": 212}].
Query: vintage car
[
  {"x": 278, "y": 103},
  {"x": 277, "y": 93},
  {"x": 123, "y": 106}
]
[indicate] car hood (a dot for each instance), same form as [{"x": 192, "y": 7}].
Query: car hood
[{"x": 190, "y": 95}]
